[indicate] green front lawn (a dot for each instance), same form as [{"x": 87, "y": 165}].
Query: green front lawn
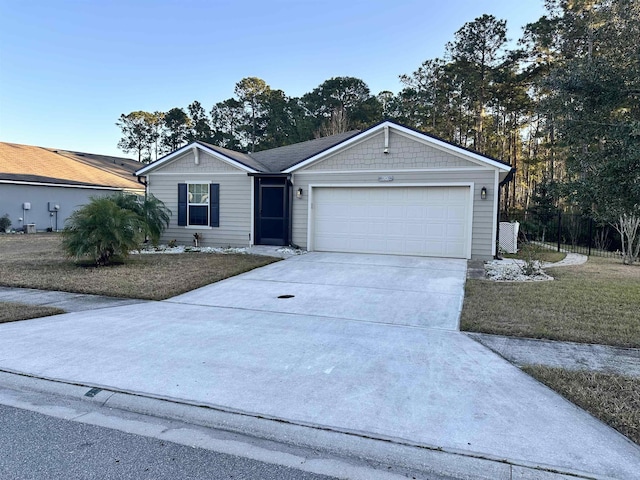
[
  {"x": 614, "y": 399},
  {"x": 598, "y": 302},
  {"x": 11, "y": 311},
  {"x": 37, "y": 261}
]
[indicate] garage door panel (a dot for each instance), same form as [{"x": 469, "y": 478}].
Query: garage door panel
[
  {"x": 416, "y": 212},
  {"x": 455, "y": 231},
  {"x": 416, "y": 195},
  {"x": 431, "y": 221},
  {"x": 436, "y": 212},
  {"x": 395, "y": 211},
  {"x": 437, "y": 195},
  {"x": 451, "y": 250},
  {"x": 455, "y": 212},
  {"x": 416, "y": 230}
]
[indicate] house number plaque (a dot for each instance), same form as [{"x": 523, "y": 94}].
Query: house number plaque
[{"x": 386, "y": 178}]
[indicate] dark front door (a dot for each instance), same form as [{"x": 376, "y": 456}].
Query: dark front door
[{"x": 272, "y": 222}]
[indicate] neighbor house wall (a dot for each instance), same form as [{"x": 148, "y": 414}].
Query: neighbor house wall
[
  {"x": 13, "y": 196},
  {"x": 235, "y": 200},
  {"x": 408, "y": 162}
]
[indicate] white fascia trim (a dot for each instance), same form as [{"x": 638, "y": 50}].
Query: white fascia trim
[
  {"x": 361, "y": 137},
  {"x": 472, "y": 190},
  {"x": 406, "y": 170},
  {"x": 476, "y": 158},
  {"x": 390, "y": 184},
  {"x": 66, "y": 185},
  {"x": 253, "y": 213},
  {"x": 310, "y": 245},
  {"x": 470, "y": 185},
  {"x": 209, "y": 174},
  {"x": 448, "y": 147},
  {"x": 181, "y": 151}
]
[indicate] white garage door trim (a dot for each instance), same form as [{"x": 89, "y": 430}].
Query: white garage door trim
[{"x": 469, "y": 208}]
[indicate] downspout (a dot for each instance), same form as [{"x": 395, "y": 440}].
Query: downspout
[
  {"x": 289, "y": 183},
  {"x": 506, "y": 180},
  {"x": 145, "y": 183}
]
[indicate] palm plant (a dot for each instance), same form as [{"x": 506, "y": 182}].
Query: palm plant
[
  {"x": 103, "y": 231},
  {"x": 155, "y": 215}
]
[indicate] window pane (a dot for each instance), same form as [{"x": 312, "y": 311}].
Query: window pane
[
  {"x": 198, "y": 215},
  {"x": 198, "y": 193}
]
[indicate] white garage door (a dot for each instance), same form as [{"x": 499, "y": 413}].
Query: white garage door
[{"x": 426, "y": 221}]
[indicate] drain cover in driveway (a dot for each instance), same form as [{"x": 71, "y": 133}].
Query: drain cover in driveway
[{"x": 93, "y": 392}]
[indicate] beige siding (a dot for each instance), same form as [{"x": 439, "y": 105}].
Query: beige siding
[
  {"x": 235, "y": 208},
  {"x": 481, "y": 244},
  {"x": 404, "y": 153},
  {"x": 186, "y": 164}
]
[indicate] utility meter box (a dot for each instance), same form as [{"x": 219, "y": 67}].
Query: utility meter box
[
  {"x": 26, "y": 206},
  {"x": 54, "y": 207}
]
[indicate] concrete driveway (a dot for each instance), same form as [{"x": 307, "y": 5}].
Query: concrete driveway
[
  {"x": 411, "y": 291},
  {"x": 367, "y": 345}
]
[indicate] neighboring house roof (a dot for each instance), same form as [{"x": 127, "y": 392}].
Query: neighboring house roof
[
  {"x": 31, "y": 164},
  {"x": 289, "y": 158}
]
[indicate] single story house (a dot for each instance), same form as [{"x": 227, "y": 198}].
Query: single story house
[
  {"x": 40, "y": 187},
  {"x": 385, "y": 190}
]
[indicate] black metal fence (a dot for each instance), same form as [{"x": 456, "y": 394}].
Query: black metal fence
[{"x": 567, "y": 232}]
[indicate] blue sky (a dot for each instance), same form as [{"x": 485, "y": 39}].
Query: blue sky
[{"x": 69, "y": 68}]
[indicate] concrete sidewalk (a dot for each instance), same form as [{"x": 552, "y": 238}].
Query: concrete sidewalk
[
  {"x": 348, "y": 365},
  {"x": 570, "y": 355},
  {"x": 69, "y": 302}
]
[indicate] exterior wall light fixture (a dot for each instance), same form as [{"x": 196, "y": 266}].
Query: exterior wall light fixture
[
  {"x": 299, "y": 193},
  {"x": 483, "y": 193}
]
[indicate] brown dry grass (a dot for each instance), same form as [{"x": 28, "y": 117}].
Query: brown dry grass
[
  {"x": 537, "y": 253},
  {"x": 37, "y": 261},
  {"x": 598, "y": 302},
  {"x": 614, "y": 399},
  {"x": 10, "y": 311}
]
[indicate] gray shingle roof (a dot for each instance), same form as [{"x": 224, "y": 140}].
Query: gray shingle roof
[
  {"x": 239, "y": 157},
  {"x": 278, "y": 159}
]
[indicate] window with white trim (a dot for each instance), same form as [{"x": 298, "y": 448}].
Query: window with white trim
[{"x": 198, "y": 204}]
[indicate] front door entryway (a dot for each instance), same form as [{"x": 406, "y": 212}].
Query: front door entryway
[{"x": 272, "y": 212}]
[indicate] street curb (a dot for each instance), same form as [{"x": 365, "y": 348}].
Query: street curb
[{"x": 425, "y": 459}]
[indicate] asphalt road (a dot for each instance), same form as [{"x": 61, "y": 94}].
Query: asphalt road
[{"x": 36, "y": 446}]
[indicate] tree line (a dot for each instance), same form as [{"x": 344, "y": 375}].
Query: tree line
[
  {"x": 562, "y": 105},
  {"x": 258, "y": 117}
]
